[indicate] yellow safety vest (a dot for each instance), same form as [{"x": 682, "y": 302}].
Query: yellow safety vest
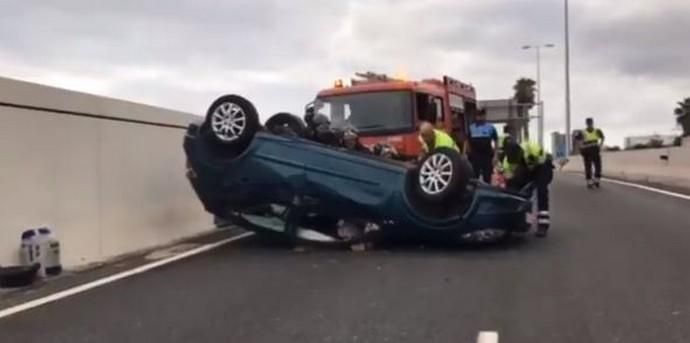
[
  {"x": 591, "y": 136},
  {"x": 533, "y": 155},
  {"x": 441, "y": 140}
]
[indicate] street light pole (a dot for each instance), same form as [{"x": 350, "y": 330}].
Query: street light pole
[
  {"x": 540, "y": 121},
  {"x": 538, "y": 74},
  {"x": 568, "y": 139}
]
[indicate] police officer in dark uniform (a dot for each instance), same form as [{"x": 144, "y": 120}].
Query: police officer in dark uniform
[{"x": 482, "y": 140}]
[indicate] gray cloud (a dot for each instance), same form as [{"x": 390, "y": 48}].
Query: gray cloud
[
  {"x": 243, "y": 34},
  {"x": 627, "y": 61},
  {"x": 651, "y": 43}
]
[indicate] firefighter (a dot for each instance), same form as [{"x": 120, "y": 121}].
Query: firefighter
[
  {"x": 319, "y": 129},
  {"x": 590, "y": 149},
  {"x": 528, "y": 163},
  {"x": 385, "y": 150},
  {"x": 351, "y": 141},
  {"x": 498, "y": 179},
  {"x": 432, "y": 138},
  {"x": 507, "y": 135},
  {"x": 481, "y": 153}
]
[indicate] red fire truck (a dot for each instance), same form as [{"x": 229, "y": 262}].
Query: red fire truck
[{"x": 388, "y": 110}]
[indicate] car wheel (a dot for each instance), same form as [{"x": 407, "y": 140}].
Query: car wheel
[
  {"x": 442, "y": 174},
  {"x": 286, "y": 123},
  {"x": 232, "y": 121}
]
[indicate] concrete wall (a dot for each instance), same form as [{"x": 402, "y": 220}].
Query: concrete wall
[
  {"x": 645, "y": 165},
  {"x": 107, "y": 186}
]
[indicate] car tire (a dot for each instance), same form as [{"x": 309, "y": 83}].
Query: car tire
[
  {"x": 284, "y": 123},
  {"x": 231, "y": 121},
  {"x": 441, "y": 175}
]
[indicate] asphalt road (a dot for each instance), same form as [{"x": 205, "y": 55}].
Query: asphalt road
[{"x": 614, "y": 269}]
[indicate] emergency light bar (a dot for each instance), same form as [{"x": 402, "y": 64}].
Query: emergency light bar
[
  {"x": 374, "y": 77},
  {"x": 456, "y": 85}
]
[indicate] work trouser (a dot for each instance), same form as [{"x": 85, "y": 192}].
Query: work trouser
[
  {"x": 541, "y": 176},
  {"x": 592, "y": 156},
  {"x": 483, "y": 166}
]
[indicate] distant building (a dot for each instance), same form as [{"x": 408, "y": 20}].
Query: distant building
[
  {"x": 558, "y": 144},
  {"x": 633, "y": 141}
]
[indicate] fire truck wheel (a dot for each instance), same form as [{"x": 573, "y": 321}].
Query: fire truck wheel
[{"x": 286, "y": 124}]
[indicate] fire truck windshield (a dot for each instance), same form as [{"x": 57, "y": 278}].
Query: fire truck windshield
[{"x": 368, "y": 112}]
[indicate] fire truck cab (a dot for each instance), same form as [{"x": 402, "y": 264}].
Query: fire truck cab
[{"x": 389, "y": 111}]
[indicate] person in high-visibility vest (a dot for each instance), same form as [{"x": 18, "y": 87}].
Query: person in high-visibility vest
[
  {"x": 432, "y": 138},
  {"x": 528, "y": 163},
  {"x": 590, "y": 149},
  {"x": 505, "y": 137}
]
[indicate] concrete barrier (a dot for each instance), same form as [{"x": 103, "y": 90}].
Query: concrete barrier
[
  {"x": 106, "y": 174},
  {"x": 645, "y": 165}
]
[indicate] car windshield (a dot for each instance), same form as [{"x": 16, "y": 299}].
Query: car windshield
[{"x": 368, "y": 111}]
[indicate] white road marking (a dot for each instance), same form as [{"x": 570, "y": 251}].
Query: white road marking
[
  {"x": 639, "y": 186},
  {"x": 170, "y": 251},
  {"x": 115, "y": 277},
  {"x": 647, "y": 188},
  {"x": 487, "y": 337}
]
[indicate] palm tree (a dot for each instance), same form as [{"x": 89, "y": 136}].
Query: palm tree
[
  {"x": 524, "y": 94},
  {"x": 682, "y": 113}
]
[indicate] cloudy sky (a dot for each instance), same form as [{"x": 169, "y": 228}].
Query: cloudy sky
[{"x": 629, "y": 58}]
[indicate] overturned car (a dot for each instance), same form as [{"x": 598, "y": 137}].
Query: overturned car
[{"x": 285, "y": 182}]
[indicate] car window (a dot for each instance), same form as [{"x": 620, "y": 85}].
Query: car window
[
  {"x": 438, "y": 104},
  {"x": 425, "y": 110}
]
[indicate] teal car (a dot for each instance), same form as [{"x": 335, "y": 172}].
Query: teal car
[{"x": 283, "y": 182}]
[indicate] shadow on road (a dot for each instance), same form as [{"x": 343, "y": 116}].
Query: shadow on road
[{"x": 396, "y": 245}]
